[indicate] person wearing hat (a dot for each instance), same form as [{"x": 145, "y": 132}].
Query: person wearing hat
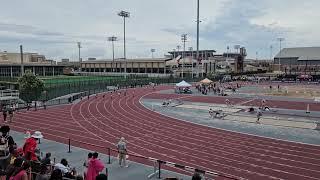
[{"x": 30, "y": 146}]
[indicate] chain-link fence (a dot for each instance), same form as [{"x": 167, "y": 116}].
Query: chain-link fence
[{"x": 54, "y": 90}]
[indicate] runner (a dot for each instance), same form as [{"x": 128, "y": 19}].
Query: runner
[
  {"x": 259, "y": 114},
  {"x": 263, "y": 104},
  {"x": 211, "y": 112},
  {"x": 4, "y": 112},
  {"x": 10, "y": 111},
  {"x": 228, "y": 102}
]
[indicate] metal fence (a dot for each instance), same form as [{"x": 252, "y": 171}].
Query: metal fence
[{"x": 54, "y": 90}]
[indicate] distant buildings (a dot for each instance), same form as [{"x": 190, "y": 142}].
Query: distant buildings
[
  {"x": 11, "y": 65},
  {"x": 140, "y": 65},
  {"x": 300, "y": 60},
  {"x": 177, "y": 63}
]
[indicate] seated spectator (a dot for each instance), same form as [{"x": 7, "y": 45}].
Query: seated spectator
[
  {"x": 30, "y": 146},
  {"x": 65, "y": 169},
  {"x": 102, "y": 177},
  {"x": 21, "y": 170},
  {"x": 63, "y": 166},
  {"x": 46, "y": 160},
  {"x": 79, "y": 177},
  {"x": 196, "y": 176},
  {"x": 2, "y": 174},
  {"x": 43, "y": 173},
  {"x": 56, "y": 175},
  {"x": 16, "y": 154},
  {"x": 95, "y": 167}
]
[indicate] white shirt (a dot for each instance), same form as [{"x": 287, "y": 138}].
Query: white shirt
[{"x": 62, "y": 167}]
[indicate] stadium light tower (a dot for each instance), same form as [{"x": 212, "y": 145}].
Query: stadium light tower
[
  {"x": 280, "y": 41},
  {"x": 79, "y": 47},
  {"x": 152, "y": 51},
  {"x": 271, "y": 52},
  {"x": 191, "y": 49},
  {"x": 198, "y": 21},
  {"x": 178, "y": 54},
  {"x": 112, "y": 39},
  {"x": 184, "y": 39},
  {"x": 125, "y": 15}
]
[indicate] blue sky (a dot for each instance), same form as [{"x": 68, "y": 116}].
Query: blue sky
[{"x": 52, "y": 28}]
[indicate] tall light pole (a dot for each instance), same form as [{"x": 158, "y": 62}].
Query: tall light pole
[
  {"x": 79, "y": 47},
  {"x": 112, "y": 39},
  {"x": 184, "y": 39},
  {"x": 198, "y": 21},
  {"x": 178, "y": 48},
  {"x": 191, "y": 49},
  {"x": 280, "y": 41},
  {"x": 125, "y": 15},
  {"x": 152, "y": 51},
  {"x": 21, "y": 56},
  {"x": 271, "y": 52}
]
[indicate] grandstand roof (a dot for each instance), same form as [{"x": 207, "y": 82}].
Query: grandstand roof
[
  {"x": 302, "y": 53},
  {"x": 128, "y": 60}
]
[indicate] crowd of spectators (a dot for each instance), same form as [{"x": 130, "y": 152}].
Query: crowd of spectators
[{"x": 25, "y": 162}]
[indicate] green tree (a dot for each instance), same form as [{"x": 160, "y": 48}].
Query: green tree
[{"x": 30, "y": 87}]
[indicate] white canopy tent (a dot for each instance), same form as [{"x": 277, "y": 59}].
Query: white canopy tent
[{"x": 183, "y": 84}]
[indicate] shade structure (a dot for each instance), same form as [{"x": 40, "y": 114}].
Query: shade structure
[
  {"x": 206, "y": 81},
  {"x": 183, "y": 84}
]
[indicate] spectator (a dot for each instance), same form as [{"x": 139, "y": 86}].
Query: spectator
[
  {"x": 56, "y": 175},
  {"x": 4, "y": 112},
  {"x": 10, "y": 112},
  {"x": 18, "y": 153},
  {"x": 2, "y": 174},
  {"x": 27, "y": 135},
  {"x": 7, "y": 146},
  {"x": 20, "y": 171},
  {"x": 63, "y": 166},
  {"x": 43, "y": 173},
  {"x": 196, "y": 176},
  {"x": 46, "y": 161},
  {"x": 102, "y": 177},
  {"x": 122, "y": 150},
  {"x": 94, "y": 168},
  {"x": 86, "y": 164},
  {"x": 30, "y": 146},
  {"x": 79, "y": 177}
]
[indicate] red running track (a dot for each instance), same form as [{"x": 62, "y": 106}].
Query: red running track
[{"x": 101, "y": 121}]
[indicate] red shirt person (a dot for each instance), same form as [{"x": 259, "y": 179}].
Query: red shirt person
[
  {"x": 30, "y": 146},
  {"x": 95, "y": 167}
]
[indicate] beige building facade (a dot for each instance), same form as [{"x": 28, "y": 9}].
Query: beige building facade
[
  {"x": 12, "y": 66},
  {"x": 154, "y": 65}
]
